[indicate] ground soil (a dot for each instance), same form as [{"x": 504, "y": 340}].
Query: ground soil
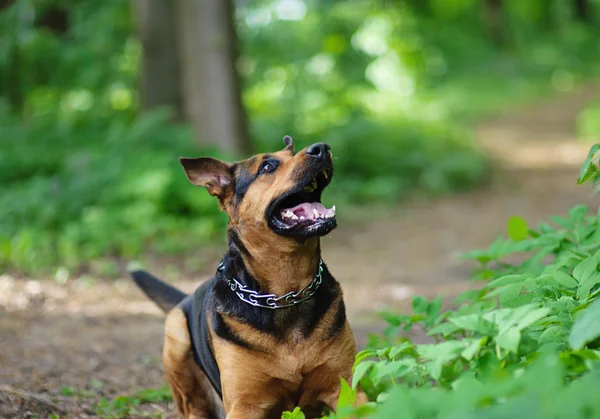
[{"x": 103, "y": 338}]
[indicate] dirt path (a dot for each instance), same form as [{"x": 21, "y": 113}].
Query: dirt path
[{"x": 104, "y": 339}]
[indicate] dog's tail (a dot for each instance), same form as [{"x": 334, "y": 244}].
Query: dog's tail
[{"x": 163, "y": 294}]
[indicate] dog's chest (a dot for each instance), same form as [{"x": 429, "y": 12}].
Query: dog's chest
[{"x": 294, "y": 360}]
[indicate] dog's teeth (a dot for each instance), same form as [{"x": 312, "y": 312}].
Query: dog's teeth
[
  {"x": 325, "y": 174},
  {"x": 294, "y": 217},
  {"x": 302, "y": 217},
  {"x": 311, "y": 186},
  {"x": 315, "y": 213},
  {"x": 333, "y": 209}
]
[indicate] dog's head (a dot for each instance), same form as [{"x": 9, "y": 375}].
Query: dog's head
[{"x": 275, "y": 193}]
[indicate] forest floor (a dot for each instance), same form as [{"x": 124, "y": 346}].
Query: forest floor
[{"x": 65, "y": 347}]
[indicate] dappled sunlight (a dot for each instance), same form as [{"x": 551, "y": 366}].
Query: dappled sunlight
[
  {"x": 93, "y": 299},
  {"x": 556, "y": 150},
  {"x": 543, "y": 139}
]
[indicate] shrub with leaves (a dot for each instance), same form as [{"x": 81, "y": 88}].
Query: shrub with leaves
[{"x": 525, "y": 343}]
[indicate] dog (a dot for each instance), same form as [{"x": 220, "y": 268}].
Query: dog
[{"x": 268, "y": 332}]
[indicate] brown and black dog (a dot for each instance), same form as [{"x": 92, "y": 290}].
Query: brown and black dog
[{"x": 268, "y": 332}]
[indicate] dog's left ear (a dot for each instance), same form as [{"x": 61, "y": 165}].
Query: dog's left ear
[
  {"x": 211, "y": 173},
  {"x": 289, "y": 143}
]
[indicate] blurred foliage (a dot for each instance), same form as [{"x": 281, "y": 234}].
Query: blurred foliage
[
  {"x": 389, "y": 84},
  {"x": 588, "y": 122}
]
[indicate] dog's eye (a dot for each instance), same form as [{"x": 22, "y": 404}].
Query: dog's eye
[{"x": 267, "y": 167}]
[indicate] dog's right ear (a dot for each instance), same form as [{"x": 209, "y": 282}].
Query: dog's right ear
[{"x": 214, "y": 174}]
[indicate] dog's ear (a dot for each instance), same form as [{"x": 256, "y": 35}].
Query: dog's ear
[
  {"x": 289, "y": 143},
  {"x": 214, "y": 174}
]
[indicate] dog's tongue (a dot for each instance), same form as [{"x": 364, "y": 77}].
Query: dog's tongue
[{"x": 310, "y": 210}]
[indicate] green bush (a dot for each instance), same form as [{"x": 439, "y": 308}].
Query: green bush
[
  {"x": 76, "y": 191},
  {"x": 525, "y": 343}
]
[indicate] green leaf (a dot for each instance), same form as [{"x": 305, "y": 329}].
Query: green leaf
[
  {"x": 360, "y": 371},
  {"x": 587, "y": 284},
  {"x": 507, "y": 292},
  {"x": 419, "y": 304},
  {"x": 362, "y": 355},
  {"x": 443, "y": 329},
  {"x": 473, "y": 348},
  {"x": 588, "y": 168},
  {"x": 586, "y": 327},
  {"x": 509, "y": 339},
  {"x": 564, "y": 279},
  {"x": 347, "y": 395},
  {"x": 517, "y": 228},
  {"x": 474, "y": 323},
  {"x": 518, "y": 318},
  {"x": 434, "y": 307},
  {"x": 397, "y": 350},
  {"x": 439, "y": 354},
  {"x": 584, "y": 270},
  {"x": 295, "y": 414},
  {"x": 507, "y": 280},
  {"x": 553, "y": 333},
  {"x": 391, "y": 369},
  {"x": 531, "y": 317}
]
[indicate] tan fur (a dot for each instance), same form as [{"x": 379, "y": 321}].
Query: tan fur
[
  {"x": 310, "y": 369},
  {"x": 192, "y": 392}
]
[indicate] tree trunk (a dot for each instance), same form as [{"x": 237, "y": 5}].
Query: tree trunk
[
  {"x": 493, "y": 18},
  {"x": 210, "y": 84},
  {"x": 582, "y": 10},
  {"x": 160, "y": 80}
]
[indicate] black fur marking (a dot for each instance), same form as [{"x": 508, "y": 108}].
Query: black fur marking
[
  {"x": 339, "y": 322},
  {"x": 234, "y": 238},
  {"x": 322, "y": 303},
  {"x": 224, "y": 332},
  {"x": 196, "y": 310},
  {"x": 243, "y": 180},
  {"x": 227, "y": 301}
]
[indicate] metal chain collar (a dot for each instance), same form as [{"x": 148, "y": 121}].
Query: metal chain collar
[{"x": 272, "y": 301}]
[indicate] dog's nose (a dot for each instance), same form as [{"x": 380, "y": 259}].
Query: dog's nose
[{"x": 318, "y": 150}]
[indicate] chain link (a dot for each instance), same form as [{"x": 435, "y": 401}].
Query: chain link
[{"x": 272, "y": 301}]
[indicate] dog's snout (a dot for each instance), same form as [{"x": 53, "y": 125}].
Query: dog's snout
[{"x": 318, "y": 150}]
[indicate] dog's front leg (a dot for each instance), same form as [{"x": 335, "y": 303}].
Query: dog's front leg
[
  {"x": 193, "y": 394},
  {"x": 246, "y": 411},
  {"x": 255, "y": 400}
]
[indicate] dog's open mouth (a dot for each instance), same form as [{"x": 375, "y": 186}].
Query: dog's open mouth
[{"x": 300, "y": 211}]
